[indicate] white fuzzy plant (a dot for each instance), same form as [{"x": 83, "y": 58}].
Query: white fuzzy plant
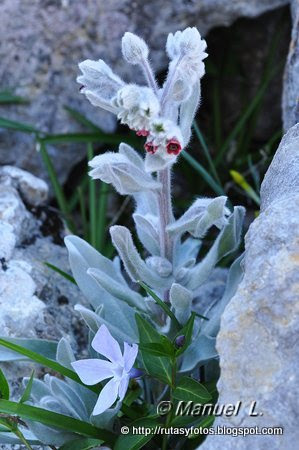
[
  {"x": 163, "y": 115},
  {"x": 172, "y": 268}
]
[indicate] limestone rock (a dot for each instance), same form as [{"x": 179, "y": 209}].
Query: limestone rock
[
  {"x": 43, "y": 41},
  {"x": 282, "y": 178},
  {"x": 290, "y": 100},
  {"x": 257, "y": 342},
  {"x": 34, "y": 300}
]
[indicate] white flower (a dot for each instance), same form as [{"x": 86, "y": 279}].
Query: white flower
[
  {"x": 117, "y": 367},
  {"x": 134, "y": 49}
]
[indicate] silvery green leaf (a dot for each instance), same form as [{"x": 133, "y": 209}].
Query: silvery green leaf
[
  {"x": 185, "y": 251},
  {"x": 147, "y": 203},
  {"x": 147, "y": 231},
  {"x": 72, "y": 401},
  {"x": 181, "y": 90},
  {"x": 118, "y": 170},
  {"x": 159, "y": 265},
  {"x": 135, "y": 266},
  {"x": 82, "y": 256},
  {"x": 64, "y": 354},
  {"x": 91, "y": 318},
  {"x": 98, "y": 78},
  {"x": 122, "y": 332},
  {"x": 188, "y": 111},
  {"x": 182, "y": 275},
  {"x": 122, "y": 318},
  {"x": 50, "y": 436},
  {"x": 118, "y": 290},
  {"x": 131, "y": 155},
  {"x": 158, "y": 161},
  {"x": 39, "y": 389},
  {"x": 203, "y": 348},
  {"x": 181, "y": 300},
  {"x": 42, "y": 346},
  {"x": 202, "y": 215},
  {"x": 226, "y": 242},
  {"x": 234, "y": 278},
  {"x": 11, "y": 439},
  {"x": 106, "y": 419}
]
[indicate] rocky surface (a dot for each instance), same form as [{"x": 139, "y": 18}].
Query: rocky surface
[
  {"x": 43, "y": 41},
  {"x": 257, "y": 342},
  {"x": 34, "y": 300},
  {"x": 290, "y": 100}
]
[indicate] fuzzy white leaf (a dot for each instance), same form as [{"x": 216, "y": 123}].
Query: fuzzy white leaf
[
  {"x": 146, "y": 227},
  {"x": 118, "y": 290},
  {"x": 118, "y": 170},
  {"x": 227, "y": 242},
  {"x": 181, "y": 301},
  {"x": 134, "y": 265}
]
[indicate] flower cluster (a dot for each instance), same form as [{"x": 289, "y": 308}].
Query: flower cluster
[{"x": 162, "y": 115}]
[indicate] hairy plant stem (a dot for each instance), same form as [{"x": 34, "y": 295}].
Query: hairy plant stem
[{"x": 165, "y": 217}]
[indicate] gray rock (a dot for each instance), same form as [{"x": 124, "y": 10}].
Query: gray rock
[
  {"x": 34, "y": 300},
  {"x": 282, "y": 178},
  {"x": 32, "y": 189},
  {"x": 43, "y": 41},
  {"x": 257, "y": 342},
  {"x": 290, "y": 100}
]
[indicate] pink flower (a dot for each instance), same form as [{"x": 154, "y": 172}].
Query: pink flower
[
  {"x": 142, "y": 132},
  {"x": 173, "y": 147},
  {"x": 150, "y": 147}
]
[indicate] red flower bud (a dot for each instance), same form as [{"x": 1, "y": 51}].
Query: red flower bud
[
  {"x": 142, "y": 132},
  {"x": 173, "y": 147},
  {"x": 150, "y": 147}
]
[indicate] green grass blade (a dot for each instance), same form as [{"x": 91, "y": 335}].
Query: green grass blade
[
  {"x": 249, "y": 110},
  {"x": 80, "y": 118},
  {"x": 61, "y": 200},
  {"x": 4, "y": 386},
  {"x": 162, "y": 304},
  {"x": 83, "y": 212},
  {"x": 102, "y": 210},
  {"x": 82, "y": 444},
  {"x": 56, "y": 420},
  {"x": 27, "y": 392},
  {"x": 240, "y": 181},
  {"x": 92, "y": 202},
  {"x": 87, "y": 138},
  {"x": 17, "y": 126},
  {"x": 61, "y": 272},
  {"x": 7, "y": 98},
  {"x": 74, "y": 198},
  {"x": 217, "y": 112},
  {"x": 45, "y": 362},
  {"x": 206, "y": 151},
  {"x": 202, "y": 171}
]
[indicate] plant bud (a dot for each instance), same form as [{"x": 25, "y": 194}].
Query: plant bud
[{"x": 134, "y": 49}]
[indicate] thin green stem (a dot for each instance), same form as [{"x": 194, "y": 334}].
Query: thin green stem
[
  {"x": 83, "y": 211},
  {"x": 170, "y": 414},
  {"x": 206, "y": 151},
  {"x": 60, "y": 197}
]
